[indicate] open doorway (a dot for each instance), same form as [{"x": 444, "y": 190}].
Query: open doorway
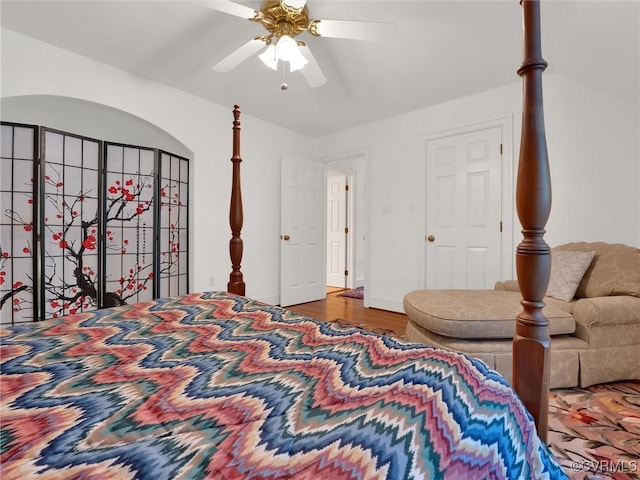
[
  {"x": 350, "y": 173},
  {"x": 339, "y": 231}
]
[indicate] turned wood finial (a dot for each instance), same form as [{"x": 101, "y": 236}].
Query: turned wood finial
[
  {"x": 236, "y": 283},
  {"x": 533, "y": 260}
]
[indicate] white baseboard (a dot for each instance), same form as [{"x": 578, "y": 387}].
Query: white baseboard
[
  {"x": 271, "y": 300},
  {"x": 386, "y": 304},
  {"x": 373, "y": 302}
]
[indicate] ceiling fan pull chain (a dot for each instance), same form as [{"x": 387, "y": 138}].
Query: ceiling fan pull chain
[{"x": 283, "y": 85}]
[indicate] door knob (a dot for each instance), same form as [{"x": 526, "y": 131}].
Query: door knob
[
  {"x": 285, "y": 237},
  {"x": 431, "y": 238}
]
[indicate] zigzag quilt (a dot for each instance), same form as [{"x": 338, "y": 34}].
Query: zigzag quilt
[{"x": 211, "y": 385}]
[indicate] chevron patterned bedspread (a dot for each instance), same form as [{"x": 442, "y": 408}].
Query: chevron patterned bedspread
[{"x": 212, "y": 385}]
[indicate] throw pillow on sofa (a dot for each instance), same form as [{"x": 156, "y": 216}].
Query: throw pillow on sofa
[{"x": 567, "y": 269}]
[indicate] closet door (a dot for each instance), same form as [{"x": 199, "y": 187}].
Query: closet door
[
  {"x": 129, "y": 261},
  {"x": 70, "y": 185},
  {"x": 18, "y": 268},
  {"x": 174, "y": 221}
]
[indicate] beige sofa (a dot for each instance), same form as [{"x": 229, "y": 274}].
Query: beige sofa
[{"x": 595, "y": 336}]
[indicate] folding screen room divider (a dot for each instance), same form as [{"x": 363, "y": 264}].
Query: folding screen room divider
[{"x": 87, "y": 224}]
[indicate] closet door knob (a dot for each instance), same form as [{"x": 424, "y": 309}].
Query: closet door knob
[
  {"x": 430, "y": 238},
  {"x": 285, "y": 237}
]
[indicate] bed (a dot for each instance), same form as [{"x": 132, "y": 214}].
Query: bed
[{"x": 217, "y": 385}]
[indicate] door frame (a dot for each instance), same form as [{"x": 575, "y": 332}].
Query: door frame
[
  {"x": 359, "y": 176},
  {"x": 507, "y": 201}
]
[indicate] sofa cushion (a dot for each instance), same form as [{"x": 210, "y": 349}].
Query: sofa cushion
[
  {"x": 476, "y": 313},
  {"x": 615, "y": 269},
  {"x": 567, "y": 269}
]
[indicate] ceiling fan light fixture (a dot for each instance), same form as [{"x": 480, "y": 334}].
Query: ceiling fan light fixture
[
  {"x": 269, "y": 57},
  {"x": 297, "y": 62},
  {"x": 286, "y": 48}
]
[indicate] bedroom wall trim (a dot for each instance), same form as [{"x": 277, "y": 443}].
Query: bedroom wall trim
[
  {"x": 270, "y": 299},
  {"x": 506, "y": 123},
  {"x": 383, "y": 303}
]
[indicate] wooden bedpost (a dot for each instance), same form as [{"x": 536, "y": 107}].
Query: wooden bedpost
[
  {"x": 236, "y": 283},
  {"x": 533, "y": 260}
]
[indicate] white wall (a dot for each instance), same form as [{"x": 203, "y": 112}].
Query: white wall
[
  {"x": 594, "y": 154},
  {"x": 31, "y": 67},
  {"x": 396, "y": 171},
  {"x": 593, "y": 145}
]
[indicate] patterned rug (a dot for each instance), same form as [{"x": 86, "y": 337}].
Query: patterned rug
[
  {"x": 594, "y": 432},
  {"x": 354, "y": 293}
]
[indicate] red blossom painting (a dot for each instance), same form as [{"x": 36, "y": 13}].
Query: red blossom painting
[
  {"x": 173, "y": 230},
  {"x": 129, "y": 217},
  {"x": 17, "y": 232},
  {"x": 71, "y": 224}
]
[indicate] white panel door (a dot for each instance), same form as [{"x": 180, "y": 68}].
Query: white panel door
[
  {"x": 464, "y": 198},
  {"x": 336, "y": 236},
  {"x": 302, "y": 238}
]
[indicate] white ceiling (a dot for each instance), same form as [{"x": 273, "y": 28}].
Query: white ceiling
[{"x": 444, "y": 50}]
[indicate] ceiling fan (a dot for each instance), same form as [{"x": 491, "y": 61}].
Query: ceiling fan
[{"x": 284, "y": 20}]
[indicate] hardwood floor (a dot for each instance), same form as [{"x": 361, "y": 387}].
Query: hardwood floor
[{"x": 352, "y": 309}]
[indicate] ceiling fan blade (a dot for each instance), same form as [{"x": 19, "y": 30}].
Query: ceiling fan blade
[
  {"x": 356, "y": 30},
  {"x": 237, "y": 57},
  {"x": 232, "y": 8},
  {"x": 311, "y": 71}
]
